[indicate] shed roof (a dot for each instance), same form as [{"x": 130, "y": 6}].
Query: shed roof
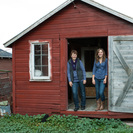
[
  {"x": 4, "y": 54},
  {"x": 90, "y": 2}
]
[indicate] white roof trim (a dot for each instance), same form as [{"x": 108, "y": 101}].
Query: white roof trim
[{"x": 90, "y": 2}]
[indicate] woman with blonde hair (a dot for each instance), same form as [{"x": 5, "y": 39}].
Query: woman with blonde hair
[{"x": 99, "y": 77}]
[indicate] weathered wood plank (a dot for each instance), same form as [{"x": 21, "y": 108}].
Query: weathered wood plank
[
  {"x": 110, "y": 65},
  {"x": 124, "y": 91},
  {"x": 123, "y": 38},
  {"x": 122, "y": 109},
  {"x": 121, "y": 59}
]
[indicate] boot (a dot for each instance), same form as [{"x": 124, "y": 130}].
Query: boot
[
  {"x": 102, "y": 105},
  {"x": 98, "y": 105}
]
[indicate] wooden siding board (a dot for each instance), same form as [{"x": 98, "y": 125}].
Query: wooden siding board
[
  {"x": 36, "y": 101},
  {"x": 22, "y": 52},
  {"x": 83, "y": 18},
  {"x": 44, "y": 107},
  {"x": 43, "y": 35},
  {"x": 56, "y": 64},
  {"x": 39, "y": 96},
  {"x": 42, "y": 86},
  {"x": 22, "y": 45},
  {"x": 22, "y": 60},
  {"x": 56, "y": 45},
  {"x": 37, "y": 84},
  {"x": 22, "y": 75},
  {"x": 85, "y": 33},
  {"x": 34, "y": 110},
  {"x": 38, "y": 92},
  {"x": 56, "y": 50},
  {"x": 77, "y": 25}
]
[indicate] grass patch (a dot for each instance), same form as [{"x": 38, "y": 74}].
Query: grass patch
[{"x": 60, "y": 124}]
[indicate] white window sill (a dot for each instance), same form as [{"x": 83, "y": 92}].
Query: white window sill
[{"x": 40, "y": 80}]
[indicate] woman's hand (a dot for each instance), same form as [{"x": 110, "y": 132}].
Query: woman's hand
[
  {"x": 93, "y": 81},
  {"x": 84, "y": 82},
  {"x": 70, "y": 83},
  {"x": 105, "y": 81}
]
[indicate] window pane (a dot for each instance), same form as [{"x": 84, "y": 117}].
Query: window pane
[
  {"x": 45, "y": 60},
  {"x": 37, "y": 60},
  {"x": 41, "y": 71},
  {"x": 45, "y": 70},
  {"x": 37, "y": 49},
  {"x": 41, "y": 60},
  {"x": 45, "y": 49},
  {"x": 38, "y": 71}
]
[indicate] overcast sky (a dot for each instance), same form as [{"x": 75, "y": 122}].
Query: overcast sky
[{"x": 17, "y": 15}]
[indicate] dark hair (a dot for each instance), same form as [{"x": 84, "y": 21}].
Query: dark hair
[
  {"x": 74, "y": 51},
  {"x": 97, "y": 57}
]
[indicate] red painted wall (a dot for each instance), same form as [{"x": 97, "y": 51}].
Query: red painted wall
[{"x": 82, "y": 21}]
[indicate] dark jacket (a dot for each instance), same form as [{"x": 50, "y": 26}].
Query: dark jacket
[{"x": 78, "y": 70}]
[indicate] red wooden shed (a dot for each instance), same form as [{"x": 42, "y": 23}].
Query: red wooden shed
[{"x": 41, "y": 51}]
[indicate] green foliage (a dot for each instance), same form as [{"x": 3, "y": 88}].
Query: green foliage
[{"x": 60, "y": 124}]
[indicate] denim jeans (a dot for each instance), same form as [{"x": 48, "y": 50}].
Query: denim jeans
[
  {"x": 75, "y": 93},
  {"x": 100, "y": 87}
]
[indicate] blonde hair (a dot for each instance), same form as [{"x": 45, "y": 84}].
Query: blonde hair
[{"x": 97, "y": 57}]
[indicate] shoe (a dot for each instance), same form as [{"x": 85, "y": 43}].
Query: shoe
[
  {"x": 82, "y": 107},
  {"x": 102, "y": 105},
  {"x": 98, "y": 105},
  {"x": 76, "y": 109}
]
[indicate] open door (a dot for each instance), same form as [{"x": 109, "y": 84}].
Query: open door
[
  {"x": 86, "y": 48},
  {"x": 121, "y": 73}
]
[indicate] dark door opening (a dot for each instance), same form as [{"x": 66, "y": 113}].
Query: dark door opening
[{"x": 86, "y": 48}]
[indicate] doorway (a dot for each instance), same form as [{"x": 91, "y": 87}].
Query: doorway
[{"x": 86, "y": 48}]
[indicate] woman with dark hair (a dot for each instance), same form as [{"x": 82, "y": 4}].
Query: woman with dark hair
[
  {"x": 77, "y": 78},
  {"x": 99, "y": 77}
]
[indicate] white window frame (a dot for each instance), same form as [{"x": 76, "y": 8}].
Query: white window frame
[{"x": 32, "y": 65}]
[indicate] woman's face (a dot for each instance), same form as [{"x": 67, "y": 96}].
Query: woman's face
[
  {"x": 74, "y": 56},
  {"x": 100, "y": 53}
]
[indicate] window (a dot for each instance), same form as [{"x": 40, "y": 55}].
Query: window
[{"x": 40, "y": 60}]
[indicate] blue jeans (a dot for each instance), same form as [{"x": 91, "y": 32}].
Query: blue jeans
[
  {"x": 75, "y": 93},
  {"x": 100, "y": 87}
]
